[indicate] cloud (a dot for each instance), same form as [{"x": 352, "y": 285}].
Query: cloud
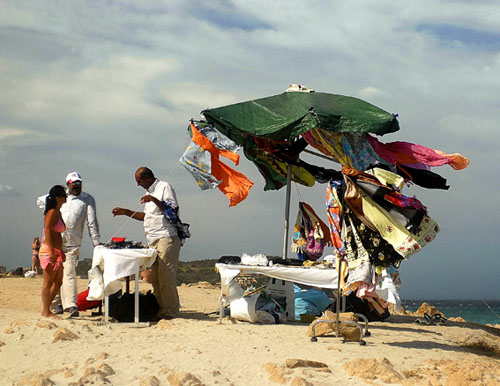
[
  {"x": 115, "y": 88},
  {"x": 7, "y": 190},
  {"x": 10, "y": 136},
  {"x": 12, "y": 133},
  {"x": 460, "y": 36},
  {"x": 195, "y": 97},
  {"x": 369, "y": 92},
  {"x": 226, "y": 15}
]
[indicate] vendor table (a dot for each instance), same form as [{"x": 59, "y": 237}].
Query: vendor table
[
  {"x": 314, "y": 277},
  {"x": 114, "y": 264}
]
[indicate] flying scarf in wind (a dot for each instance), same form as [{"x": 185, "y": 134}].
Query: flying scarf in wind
[{"x": 202, "y": 160}]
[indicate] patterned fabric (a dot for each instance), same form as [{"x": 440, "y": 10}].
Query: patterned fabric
[
  {"x": 362, "y": 273},
  {"x": 332, "y": 142},
  {"x": 313, "y": 140},
  {"x": 408, "y": 211},
  {"x": 387, "y": 178},
  {"x": 171, "y": 212},
  {"x": 299, "y": 240},
  {"x": 219, "y": 140},
  {"x": 380, "y": 252},
  {"x": 385, "y": 245},
  {"x": 315, "y": 221},
  {"x": 198, "y": 162},
  {"x": 356, "y": 254},
  {"x": 308, "y": 238},
  {"x": 333, "y": 212},
  {"x": 359, "y": 150},
  {"x": 403, "y": 242},
  {"x": 275, "y": 171},
  {"x": 202, "y": 160}
]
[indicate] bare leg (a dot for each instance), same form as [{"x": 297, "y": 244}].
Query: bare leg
[
  {"x": 56, "y": 284},
  {"x": 48, "y": 282}
]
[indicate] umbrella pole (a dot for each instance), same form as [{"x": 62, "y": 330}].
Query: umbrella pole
[
  {"x": 337, "y": 312},
  {"x": 287, "y": 210}
]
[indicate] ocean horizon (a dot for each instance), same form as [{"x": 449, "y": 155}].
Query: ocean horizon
[{"x": 471, "y": 310}]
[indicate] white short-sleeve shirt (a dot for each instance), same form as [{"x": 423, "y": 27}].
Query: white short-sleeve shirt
[{"x": 156, "y": 226}]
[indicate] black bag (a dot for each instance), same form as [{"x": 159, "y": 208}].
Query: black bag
[
  {"x": 122, "y": 308},
  {"x": 19, "y": 271},
  {"x": 229, "y": 259},
  {"x": 359, "y": 306}
]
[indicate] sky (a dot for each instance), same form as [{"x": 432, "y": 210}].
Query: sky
[{"x": 103, "y": 87}]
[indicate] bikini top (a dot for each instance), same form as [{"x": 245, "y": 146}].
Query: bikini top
[{"x": 60, "y": 226}]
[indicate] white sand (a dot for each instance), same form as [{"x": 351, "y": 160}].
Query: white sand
[{"x": 195, "y": 349}]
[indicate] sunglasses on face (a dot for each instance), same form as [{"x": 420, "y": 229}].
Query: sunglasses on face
[{"x": 75, "y": 182}]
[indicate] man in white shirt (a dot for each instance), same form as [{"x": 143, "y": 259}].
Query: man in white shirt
[
  {"x": 162, "y": 235},
  {"x": 79, "y": 207}
]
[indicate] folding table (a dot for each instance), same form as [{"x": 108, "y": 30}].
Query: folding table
[{"x": 110, "y": 265}]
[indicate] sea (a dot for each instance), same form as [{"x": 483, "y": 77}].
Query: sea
[{"x": 471, "y": 310}]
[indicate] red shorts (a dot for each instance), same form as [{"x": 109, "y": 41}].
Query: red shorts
[{"x": 44, "y": 256}]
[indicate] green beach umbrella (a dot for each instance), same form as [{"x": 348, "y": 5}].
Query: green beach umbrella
[{"x": 287, "y": 115}]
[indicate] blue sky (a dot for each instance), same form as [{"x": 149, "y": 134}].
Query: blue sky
[{"x": 105, "y": 87}]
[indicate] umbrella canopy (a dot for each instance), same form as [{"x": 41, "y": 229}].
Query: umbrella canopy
[
  {"x": 287, "y": 115},
  {"x": 372, "y": 224}
]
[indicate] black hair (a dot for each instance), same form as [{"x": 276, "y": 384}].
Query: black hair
[
  {"x": 147, "y": 172},
  {"x": 50, "y": 200}
]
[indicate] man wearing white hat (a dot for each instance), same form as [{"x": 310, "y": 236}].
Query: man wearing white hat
[{"x": 80, "y": 206}]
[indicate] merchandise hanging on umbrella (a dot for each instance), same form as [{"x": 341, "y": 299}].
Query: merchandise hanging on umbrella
[
  {"x": 202, "y": 160},
  {"x": 310, "y": 235}
]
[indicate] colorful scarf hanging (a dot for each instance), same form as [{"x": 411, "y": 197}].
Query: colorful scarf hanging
[
  {"x": 210, "y": 172},
  {"x": 411, "y": 154},
  {"x": 171, "y": 212},
  {"x": 334, "y": 212}
]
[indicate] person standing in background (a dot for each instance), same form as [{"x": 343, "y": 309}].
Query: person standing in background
[
  {"x": 79, "y": 207},
  {"x": 35, "y": 261},
  {"x": 51, "y": 253}
]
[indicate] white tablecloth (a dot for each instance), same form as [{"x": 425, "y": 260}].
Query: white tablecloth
[
  {"x": 314, "y": 277},
  {"x": 109, "y": 265}
]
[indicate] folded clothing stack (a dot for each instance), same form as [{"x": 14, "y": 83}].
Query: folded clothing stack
[{"x": 120, "y": 243}]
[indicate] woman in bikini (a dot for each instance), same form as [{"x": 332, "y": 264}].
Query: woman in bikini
[
  {"x": 35, "y": 262},
  {"x": 51, "y": 255}
]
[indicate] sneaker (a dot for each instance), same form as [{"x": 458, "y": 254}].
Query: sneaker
[
  {"x": 73, "y": 312},
  {"x": 58, "y": 310}
]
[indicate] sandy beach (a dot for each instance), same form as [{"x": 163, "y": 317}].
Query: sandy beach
[{"x": 196, "y": 350}]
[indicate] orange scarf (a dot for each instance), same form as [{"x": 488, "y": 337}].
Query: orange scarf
[{"x": 234, "y": 185}]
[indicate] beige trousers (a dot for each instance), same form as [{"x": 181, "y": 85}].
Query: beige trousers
[
  {"x": 69, "y": 290},
  {"x": 164, "y": 275}
]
